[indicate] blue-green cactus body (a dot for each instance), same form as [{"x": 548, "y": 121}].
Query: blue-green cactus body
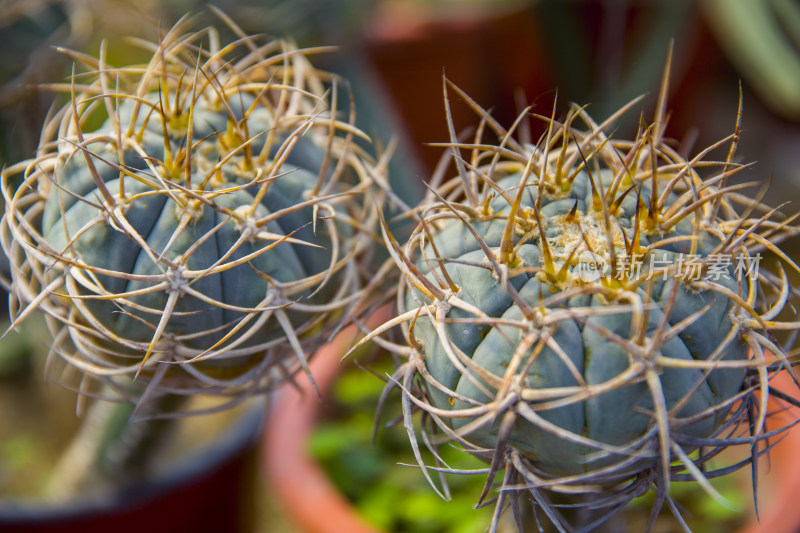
[
  {"x": 577, "y": 348},
  {"x": 155, "y": 216}
]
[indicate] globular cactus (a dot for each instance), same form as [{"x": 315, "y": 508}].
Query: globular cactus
[
  {"x": 199, "y": 221},
  {"x": 587, "y": 314}
]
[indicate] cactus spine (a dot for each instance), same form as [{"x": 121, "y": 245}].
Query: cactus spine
[
  {"x": 587, "y": 313},
  {"x": 209, "y": 231}
]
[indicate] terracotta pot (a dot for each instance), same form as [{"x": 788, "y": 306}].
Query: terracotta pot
[
  {"x": 779, "y": 480},
  {"x": 311, "y": 501}
]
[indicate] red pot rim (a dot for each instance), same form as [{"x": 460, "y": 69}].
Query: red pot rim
[{"x": 303, "y": 489}]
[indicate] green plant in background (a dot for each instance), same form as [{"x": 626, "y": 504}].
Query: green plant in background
[
  {"x": 588, "y": 315},
  {"x": 760, "y": 38},
  {"x": 373, "y": 474},
  {"x": 197, "y": 222}
]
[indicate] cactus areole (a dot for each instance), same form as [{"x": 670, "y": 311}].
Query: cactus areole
[
  {"x": 195, "y": 220},
  {"x": 587, "y": 313}
]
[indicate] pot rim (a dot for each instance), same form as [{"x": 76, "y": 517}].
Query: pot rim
[{"x": 242, "y": 432}]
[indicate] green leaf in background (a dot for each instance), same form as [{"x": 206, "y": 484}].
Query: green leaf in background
[
  {"x": 761, "y": 38},
  {"x": 393, "y": 497}
]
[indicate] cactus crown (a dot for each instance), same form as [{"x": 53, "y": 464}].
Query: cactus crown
[
  {"x": 208, "y": 232},
  {"x": 587, "y": 313}
]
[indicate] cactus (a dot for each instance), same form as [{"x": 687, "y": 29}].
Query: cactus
[
  {"x": 587, "y": 314},
  {"x": 196, "y": 222}
]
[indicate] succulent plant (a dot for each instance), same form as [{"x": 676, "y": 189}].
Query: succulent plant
[
  {"x": 197, "y": 222},
  {"x": 587, "y": 314}
]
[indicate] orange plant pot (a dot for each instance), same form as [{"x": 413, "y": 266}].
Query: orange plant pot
[
  {"x": 310, "y": 499},
  {"x": 779, "y": 475}
]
